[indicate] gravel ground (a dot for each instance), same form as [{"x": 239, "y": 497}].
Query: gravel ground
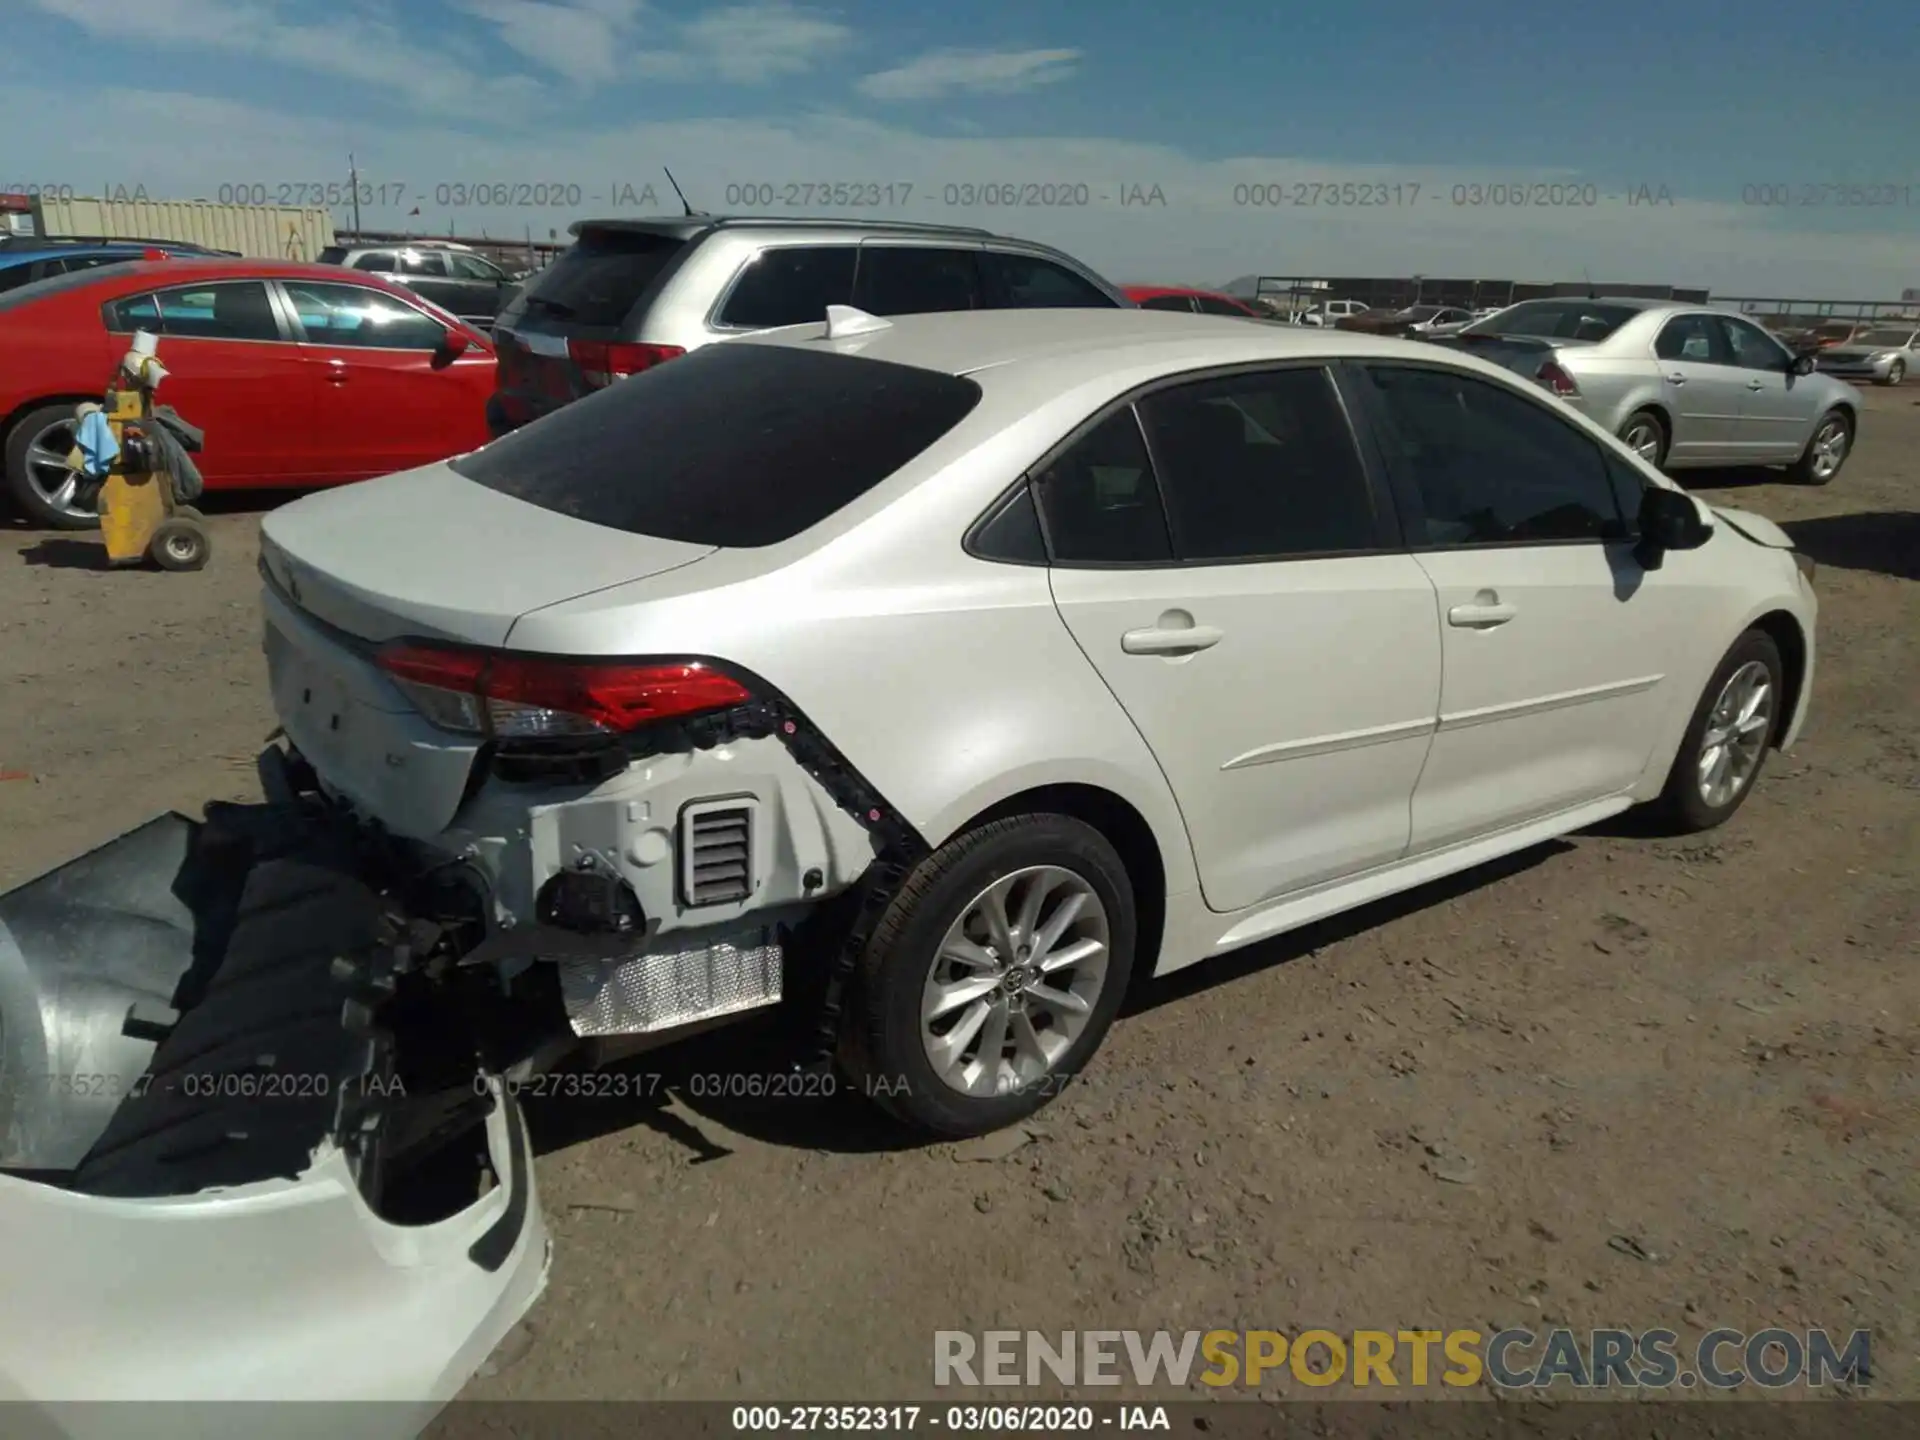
[{"x": 1615, "y": 1081}]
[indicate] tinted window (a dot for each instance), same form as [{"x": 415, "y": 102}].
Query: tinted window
[
  {"x": 1024, "y": 282},
  {"x": 1695, "y": 338},
  {"x": 1213, "y": 305},
  {"x": 1100, "y": 500},
  {"x": 733, "y": 445},
  {"x": 790, "y": 286},
  {"x": 332, "y": 255},
  {"x": 22, "y": 296},
  {"x": 423, "y": 262},
  {"x": 1182, "y": 303},
  {"x": 14, "y": 276},
  {"x": 378, "y": 261},
  {"x": 1752, "y": 347},
  {"x": 1012, "y": 532},
  {"x": 136, "y": 312},
  {"x": 1259, "y": 465},
  {"x": 1557, "y": 320},
  {"x": 914, "y": 280},
  {"x": 354, "y": 315},
  {"x": 472, "y": 267},
  {"x": 600, "y": 277},
  {"x": 231, "y": 310},
  {"x": 1489, "y": 466}
]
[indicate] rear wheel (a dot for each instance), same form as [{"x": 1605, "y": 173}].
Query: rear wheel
[
  {"x": 1645, "y": 433},
  {"x": 1826, "y": 451},
  {"x": 38, "y": 480},
  {"x": 1726, "y": 744},
  {"x": 993, "y": 976}
]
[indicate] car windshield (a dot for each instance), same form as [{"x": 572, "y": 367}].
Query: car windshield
[
  {"x": 1556, "y": 320},
  {"x": 1895, "y": 338},
  {"x": 733, "y": 445}
]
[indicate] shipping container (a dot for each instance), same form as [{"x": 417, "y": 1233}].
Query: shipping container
[{"x": 259, "y": 231}]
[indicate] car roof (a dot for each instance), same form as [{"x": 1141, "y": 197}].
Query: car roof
[
  {"x": 1061, "y": 348},
  {"x": 688, "y": 227}
]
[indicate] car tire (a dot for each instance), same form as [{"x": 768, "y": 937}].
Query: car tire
[
  {"x": 1723, "y": 725},
  {"x": 1896, "y": 372},
  {"x": 20, "y": 488},
  {"x": 889, "y": 1044},
  {"x": 1815, "y": 466},
  {"x": 1643, "y": 427}
]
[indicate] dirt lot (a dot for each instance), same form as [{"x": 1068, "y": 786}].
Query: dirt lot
[{"x": 1615, "y": 1081}]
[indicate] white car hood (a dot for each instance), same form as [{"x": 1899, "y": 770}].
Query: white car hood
[{"x": 1756, "y": 528}]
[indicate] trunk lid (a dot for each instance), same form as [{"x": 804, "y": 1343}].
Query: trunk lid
[{"x": 430, "y": 553}]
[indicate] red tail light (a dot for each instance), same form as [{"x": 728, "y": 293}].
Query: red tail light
[
  {"x": 1555, "y": 378},
  {"x": 602, "y": 362},
  {"x": 482, "y": 692}
]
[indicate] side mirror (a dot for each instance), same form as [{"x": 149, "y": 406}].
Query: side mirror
[
  {"x": 1802, "y": 365},
  {"x": 452, "y": 346},
  {"x": 1669, "y": 520}
]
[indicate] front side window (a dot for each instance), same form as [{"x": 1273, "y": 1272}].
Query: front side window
[
  {"x": 429, "y": 263},
  {"x": 1100, "y": 501},
  {"x": 1026, "y": 282},
  {"x": 1259, "y": 467},
  {"x": 791, "y": 285},
  {"x": 351, "y": 315},
  {"x": 915, "y": 280},
  {"x": 228, "y": 310},
  {"x": 1752, "y": 347},
  {"x": 1490, "y": 467},
  {"x": 472, "y": 267}
]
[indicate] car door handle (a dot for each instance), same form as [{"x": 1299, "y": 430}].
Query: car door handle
[
  {"x": 1756, "y": 384},
  {"x": 1676, "y": 379},
  {"x": 337, "y": 373},
  {"x": 1170, "y": 639},
  {"x": 1480, "y": 616}
]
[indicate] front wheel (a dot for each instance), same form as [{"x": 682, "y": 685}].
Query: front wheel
[
  {"x": 993, "y": 976},
  {"x": 1726, "y": 743},
  {"x": 1826, "y": 451},
  {"x": 1896, "y": 372}
]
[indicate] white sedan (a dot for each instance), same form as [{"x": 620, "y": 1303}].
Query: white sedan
[{"x": 945, "y": 673}]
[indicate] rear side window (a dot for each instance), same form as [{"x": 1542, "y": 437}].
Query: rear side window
[
  {"x": 1100, "y": 500},
  {"x": 916, "y": 280},
  {"x": 378, "y": 261},
  {"x": 600, "y": 277},
  {"x": 736, "y": 445},
  {"x": 332, "y": 255},
  {"x": 1026, "y": 282},
  {"x": 790, "y": 285}
]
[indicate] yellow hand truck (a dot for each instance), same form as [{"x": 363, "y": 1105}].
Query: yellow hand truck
[{"x": 141, "y": 519}]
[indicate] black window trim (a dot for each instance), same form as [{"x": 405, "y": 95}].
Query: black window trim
[
  {"x": 291, "y": 322},
  {"x": 972, "y": 544},
  {"x": 718, "y": 308},
  {"x": 1386, "y": 512},
  {"x": 286, "y": 336},
  {"x": 1408, "y": 502}
]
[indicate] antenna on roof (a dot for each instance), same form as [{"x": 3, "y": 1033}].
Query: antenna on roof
[
  {"x": 844, "y": 320},
  {"x": 691, "y": 212},
  {"x": 1589, "y": 279}
]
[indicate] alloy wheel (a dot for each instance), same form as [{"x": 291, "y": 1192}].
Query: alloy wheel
[
  {"x": 1015, "y": 981},
  {"x": 1829, "y": 447},
  {"x": 1643, "y": 438},
  {"x": 47, "y": 472},
  {"x": 1736, "y": 735}
]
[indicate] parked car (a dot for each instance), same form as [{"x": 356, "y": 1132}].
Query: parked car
[
  {"x": 27, "y": 265},
  {"x": 1885, "y": 354},
  {"x": 629, "y": 294},
  {"x": 299, "y": 374},
  {"x": 704, "y": 626},
  {"x": 1203, "y": 302},
  {"x": 54, "y": 242},
  {"x": 1681, "y": 384},
  {"x": 1414, "y": 320},
  {"x": 1329, "y": 312},
  {"x": 457, "y": 278},
  {"x": 1835, "y": 332}
]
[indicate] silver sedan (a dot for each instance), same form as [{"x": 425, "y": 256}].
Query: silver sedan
[
  {"x": 1683, "y": 385},
  {"x": 1886, "y": 355}
]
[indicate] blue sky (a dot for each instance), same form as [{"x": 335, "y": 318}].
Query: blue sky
[{"x": 1705, "y": 101}]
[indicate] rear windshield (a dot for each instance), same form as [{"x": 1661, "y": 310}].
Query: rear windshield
[
  {"x": 734, "y": 445},
  {"x": 598, "y": 279},
  {"x": 1556, "y": 320}
]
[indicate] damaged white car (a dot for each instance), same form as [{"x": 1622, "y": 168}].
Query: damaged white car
[{"x": 924, "y": 679}]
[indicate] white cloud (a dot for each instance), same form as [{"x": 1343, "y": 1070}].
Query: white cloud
[
  {"x": 980, "y": 72},
  {"x": 581, "y": 41},
  {"x": 747, "y": 44},
  {"x": 1193, "y": 231},
  {"x": 368, "y": 51}
]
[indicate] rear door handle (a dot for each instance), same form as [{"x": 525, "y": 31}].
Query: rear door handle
[
  {"x": 1170, "y": 640},
  {"x": 1676, "y": 379},
  {"x": 1480, "y": 617}
]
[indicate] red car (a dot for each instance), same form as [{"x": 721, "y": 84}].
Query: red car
[
  {"x": 300, "y": 375},
  {"x": 1207, "y": 302}
]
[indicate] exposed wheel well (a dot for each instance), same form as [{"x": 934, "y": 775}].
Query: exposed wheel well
[
  {"x": 25, "y": 409},
  {"x": 1785, "y": 632},
  {"x": 1126, "y": 830}
]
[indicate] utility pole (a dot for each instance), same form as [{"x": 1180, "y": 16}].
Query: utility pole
[{"x": 353, "y": 181}]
